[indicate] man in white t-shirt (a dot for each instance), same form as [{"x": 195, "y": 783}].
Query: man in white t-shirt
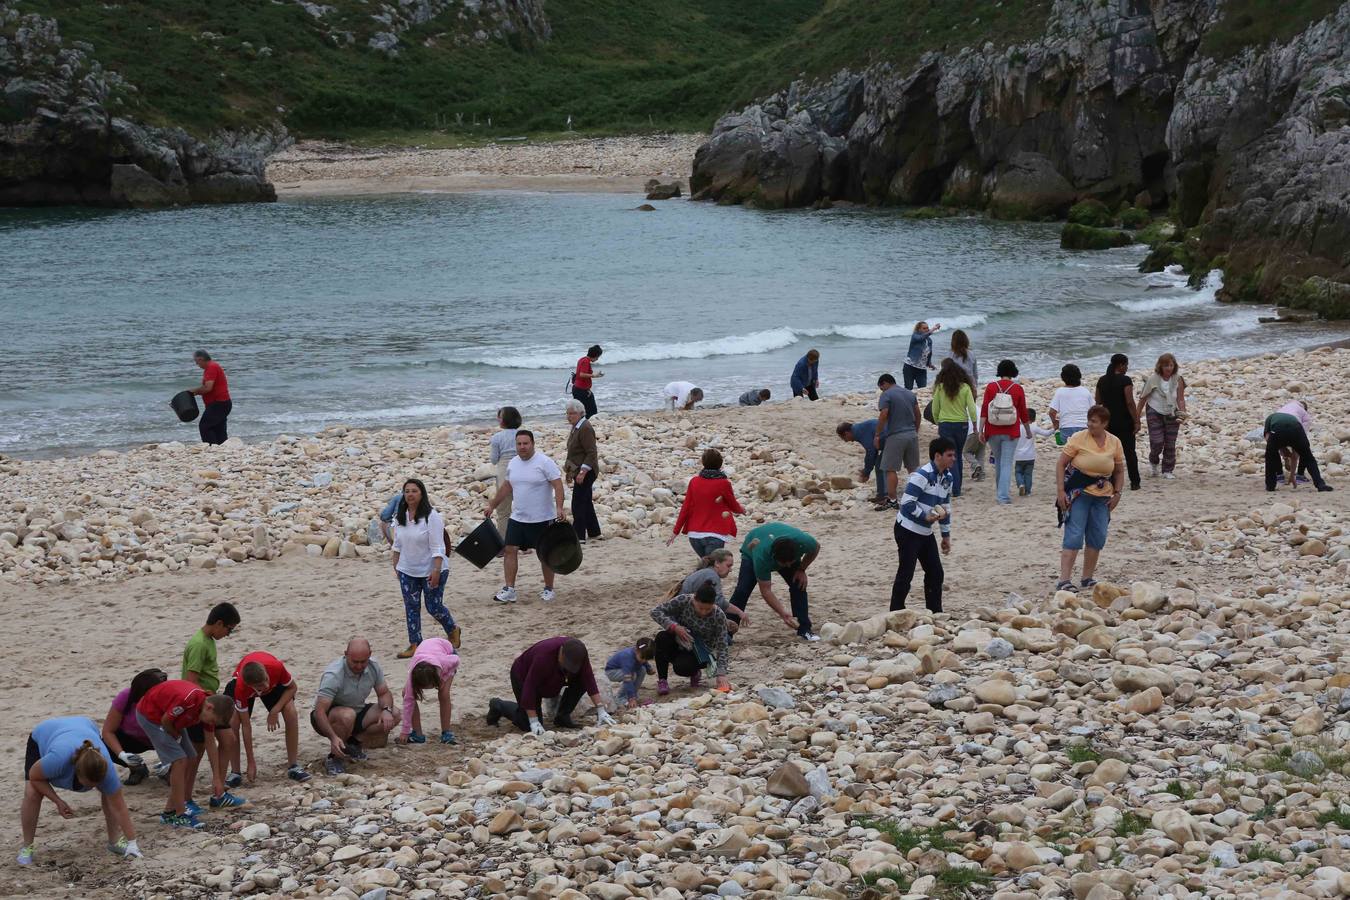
[
  {"x": 534, "y": 484},
  {"x": 683, "y": 394}
]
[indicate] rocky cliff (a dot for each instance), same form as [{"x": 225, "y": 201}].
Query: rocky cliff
[
  {"x": 62, "y": 141},
  {"x": 1118, "y": 102}
]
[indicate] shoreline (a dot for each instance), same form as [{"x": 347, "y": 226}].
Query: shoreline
[
  {"x": 584, "y": 165},
  {"x": 59, "y": 454}
]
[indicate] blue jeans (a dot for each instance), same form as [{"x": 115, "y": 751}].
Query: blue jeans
[
  {"x": 705, "y": 545},
  {"x": 415, "y": 591},
  {"x": 1087, "y": 520},
  {"x": 1003, "y": 448},
  {"x": 914, "y": 375},
  {"x": 746, "y": 582},
  {"x": 1022, "y": 473},
  {"x": 629, "y": 689},
  {"x": 957, "y": 432},
  {"x": 1070, "y": 432}
]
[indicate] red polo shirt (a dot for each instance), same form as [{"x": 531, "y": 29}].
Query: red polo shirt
[{"x": 220, "y": 390}]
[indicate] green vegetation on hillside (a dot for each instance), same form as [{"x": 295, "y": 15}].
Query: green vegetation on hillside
[
  {"x": 612, "y": 65},
  {"x": 1256, "y": 23}
]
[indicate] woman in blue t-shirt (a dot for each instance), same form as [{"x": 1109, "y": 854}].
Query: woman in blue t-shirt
[{"x": 68, "y": 753}]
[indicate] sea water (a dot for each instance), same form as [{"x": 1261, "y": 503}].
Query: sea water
[{"x": 420, "y": 310}]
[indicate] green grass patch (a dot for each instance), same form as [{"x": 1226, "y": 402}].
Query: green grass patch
[
  {"x": 957, "y": 881},
  {"x": 1081, "y": 753},
  {"x": 892, "y": 873},
  {"x": 1261, "y": 853},
  {"x": 612, "y": 65},
  {"x": 1264, "y": 812},
  {"x": 1285, "y": 759},
  {"x": 1178, "y": 789},
  {"x": 1336, "y": 817},
  {"x": 906, "y": 839},
  {"x": 1258, "y": 23},
  {"x": 1131, "y": 824}
]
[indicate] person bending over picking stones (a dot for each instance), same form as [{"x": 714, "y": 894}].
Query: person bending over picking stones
[
  {"x": 775, "y": 547},
  {"x": 68, "y": 753},
  {"x": 693, "y": 633},
  {"x": 556, "y": 667},
  {"x": 433, "y": 666}
]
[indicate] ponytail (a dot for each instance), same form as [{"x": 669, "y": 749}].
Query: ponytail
[{"x": 91, "y": 766}]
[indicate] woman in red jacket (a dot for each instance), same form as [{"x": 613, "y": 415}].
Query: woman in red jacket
[
  {"x": 708, "y": 509},
  {"x": 1002, "y": 421}
]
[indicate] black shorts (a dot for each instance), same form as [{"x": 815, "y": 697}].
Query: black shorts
[
  {"x": 524, "y": 535},
  {"x": 357, "y": 728},
  {"x": 196, "y": 734},
  {"x": 32, "y": 756},
  {"x": 269, "y": 699}
]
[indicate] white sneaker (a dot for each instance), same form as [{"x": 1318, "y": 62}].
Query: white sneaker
[
  {"x": 810, "y": 637},
  {"x": 1156, "y": 470},
  {"x": 548, "y": 595},
  {"x": 1169, "y": 476},
  {"x": 505, "y": 595}
]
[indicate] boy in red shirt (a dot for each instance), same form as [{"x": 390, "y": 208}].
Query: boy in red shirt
[
  {"x": 262, "y": 675},
  {"x": 165, "y": 713}
]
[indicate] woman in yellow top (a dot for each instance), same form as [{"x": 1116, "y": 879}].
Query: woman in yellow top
[
  {"x": 954, "y": 410},
  {"x": 1094, "y": 462}
]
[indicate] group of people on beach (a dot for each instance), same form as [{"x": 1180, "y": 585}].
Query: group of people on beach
[{"x": 354, "y": 710}]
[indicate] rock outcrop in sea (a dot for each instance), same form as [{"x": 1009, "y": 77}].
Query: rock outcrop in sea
[
  {"x": 63, "y": 141},
  {"x": 1119, "y": 101}
]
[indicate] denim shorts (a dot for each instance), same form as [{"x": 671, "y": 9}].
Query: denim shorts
[{"x": 1087, "y": 520}]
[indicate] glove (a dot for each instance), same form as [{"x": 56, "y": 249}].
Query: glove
[
  {"x": 602, "y": 717},
  {"x": 131, "y": 759},
  {"x": 536, "y": 727},
  {"x": 133, "y": 851},
  {"x": 448, "y": 737}
]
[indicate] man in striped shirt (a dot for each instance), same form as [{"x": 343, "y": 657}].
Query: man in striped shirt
[{"x": 925, "y": 503}]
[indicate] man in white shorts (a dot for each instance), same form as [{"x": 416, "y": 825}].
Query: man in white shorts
[{"x": 534, "y": 484}]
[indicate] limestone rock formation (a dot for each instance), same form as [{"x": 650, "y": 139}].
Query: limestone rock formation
[
  {"x": 1117, "y": 102},
  {"x": 61, "y": 141}
]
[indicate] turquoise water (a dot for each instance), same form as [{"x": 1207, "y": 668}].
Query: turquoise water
[{"x": 417, "y": 310}]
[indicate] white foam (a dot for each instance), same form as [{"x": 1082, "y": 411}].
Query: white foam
[
  {"x": 732, "y": 345},
  {"x": 1183, "y": 299}
]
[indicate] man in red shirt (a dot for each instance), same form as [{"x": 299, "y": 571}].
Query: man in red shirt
[
  {"x": 582, "y": 379},
  {"x": 215, "y": 391}
]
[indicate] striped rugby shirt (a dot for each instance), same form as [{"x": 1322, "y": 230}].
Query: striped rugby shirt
[{"x": 925, "y": 490}]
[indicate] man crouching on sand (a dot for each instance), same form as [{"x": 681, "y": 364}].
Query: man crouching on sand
[{"x": 341, "y": 712}]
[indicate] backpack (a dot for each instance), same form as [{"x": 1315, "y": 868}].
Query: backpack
[{"x": 1002, "y": 410}]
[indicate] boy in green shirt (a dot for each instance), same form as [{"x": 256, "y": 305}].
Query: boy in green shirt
[
  {"x": 200, "y": 668},
  {"x": 775, "y": 547}
]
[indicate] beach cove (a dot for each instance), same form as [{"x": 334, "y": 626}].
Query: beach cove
[{"x": 894, "y": 716}]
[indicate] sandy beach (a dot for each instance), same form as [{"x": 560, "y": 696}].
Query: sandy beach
[
  {"x": 120, "y": 555},
  {"x": 587, "y": 165}
]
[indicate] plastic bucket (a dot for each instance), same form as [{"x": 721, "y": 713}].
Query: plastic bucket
[
  {"x": 482, "y": 544},
  {"x": 559, "y": 547},
  {"x": 184, "y": 405}
]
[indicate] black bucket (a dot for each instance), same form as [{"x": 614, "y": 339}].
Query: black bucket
[
  {"x": 482, "y": 544},
  {"x": 558, "y": 546},
  {"x": 184, "y": 404}
]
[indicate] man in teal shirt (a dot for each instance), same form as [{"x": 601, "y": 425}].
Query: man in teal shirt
[{"x": 775, "y": 547}]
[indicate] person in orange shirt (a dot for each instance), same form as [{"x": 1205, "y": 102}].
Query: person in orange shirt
[{"x": 215, "y": 394}]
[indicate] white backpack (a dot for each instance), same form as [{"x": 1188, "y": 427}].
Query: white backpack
[{"x": 1002, "y": 410}]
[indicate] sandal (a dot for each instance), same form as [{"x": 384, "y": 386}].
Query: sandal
[
  {"x": 1066, "y": 586},
  {"x": 1089, "y": 583}
]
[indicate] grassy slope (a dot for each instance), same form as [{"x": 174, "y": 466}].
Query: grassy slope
[{"x": 613, "y": 65}]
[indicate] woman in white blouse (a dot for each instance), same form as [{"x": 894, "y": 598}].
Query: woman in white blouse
[{"x": 422, "y": 563}]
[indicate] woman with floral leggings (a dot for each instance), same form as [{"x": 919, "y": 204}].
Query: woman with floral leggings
[{"x": 422, "y": 563}]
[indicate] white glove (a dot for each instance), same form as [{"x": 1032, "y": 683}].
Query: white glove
[
  {"x": 130, "y": 759},
  {"x": 536, "y": 727},
  {"x": 602, "y": 717},
  {"x": 133, "y": 851}
]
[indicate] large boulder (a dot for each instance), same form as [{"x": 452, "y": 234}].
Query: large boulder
[{"x": 1029, "y": 187}]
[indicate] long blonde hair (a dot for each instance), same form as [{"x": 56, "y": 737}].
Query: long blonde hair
[
  {"x": 91, "y": 766},
  {"x": 1164, "y": 360}
]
